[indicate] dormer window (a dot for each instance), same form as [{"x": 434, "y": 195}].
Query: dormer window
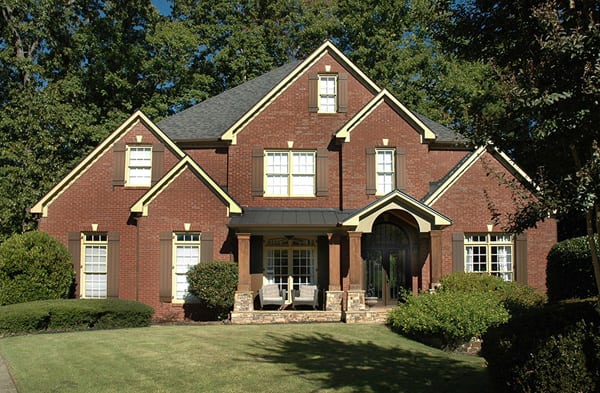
[{"x": 327, "y": 93}]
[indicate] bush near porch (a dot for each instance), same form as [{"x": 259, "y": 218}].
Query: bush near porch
[
  {"x": 465, "y": 306},
  {"x": 214, "y": 284}
]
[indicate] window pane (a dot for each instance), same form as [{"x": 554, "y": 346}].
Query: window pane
[
  {"x": 277, "y": 163},
  {"x": 303, "y": 267},
  {"x": 303, "y": 163},
  {"x": 327, "y": 104},
  {"x": 327, "y": 85},
  {"x": 277, "y": 267},
  {"x": 95, "y": 285},
  {"x": 277, "y": 185},
  {"x": 303, "y": 185}
]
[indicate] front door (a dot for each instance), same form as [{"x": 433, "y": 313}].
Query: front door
[{"x": 386, "y": 252}]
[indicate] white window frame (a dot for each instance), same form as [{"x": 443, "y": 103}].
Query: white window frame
[
  {"x": 328, "y": 91},
  {"x": 385, "y": 168},
  {"x": 290, "y": 262},
  {"x": 490, "y": 253},
  {"x": 288, "y": 175},
  {"x": 142, "y": 166},
  {"x": 186, "y": 246},
  {"x": 93, "y": 279}
]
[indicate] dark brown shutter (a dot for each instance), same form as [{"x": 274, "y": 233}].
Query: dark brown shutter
[
  {"x": 322, "y": 172},
  {"x": 206, "y": 247},
  {"x": 400, "y": 169},
  {"x": 342, "y": 93},
  {"x": 74, "y": 247},
  {"x": 458, "y": 252},
  {"x": 119, "y": 164},
  {"x": 371, "y": 171},
  {"x": 313, "y": 93},
  {"x": 112, "y": 269},
  {"x": 158, "y": 150},
  {"x": 520, "y": 260},
  {"x": 166, "y": 267},
  {"x": 257, "y": 172}
]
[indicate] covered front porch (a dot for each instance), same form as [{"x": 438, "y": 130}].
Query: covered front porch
[{"x": 354, "y": 257}]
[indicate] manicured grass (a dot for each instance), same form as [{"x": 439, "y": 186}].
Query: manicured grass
[{"x": 274, "y": 358}]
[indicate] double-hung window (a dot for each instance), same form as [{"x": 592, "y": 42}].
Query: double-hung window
[
  {"x": 186, "y": 249},
  {"x": 385, "y": 170},
  {"x": 94, "y": 269},
  {"x": 290, "y": 173},
  {"x": 327, "y": 93},
  {"x": 490, "y": 254},
  {"x": 139, "y": 166}
]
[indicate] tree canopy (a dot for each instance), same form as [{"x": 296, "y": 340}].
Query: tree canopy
[{"x": 72, "y": 70}]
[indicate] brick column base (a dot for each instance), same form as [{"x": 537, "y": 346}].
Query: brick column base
[
  {"x": 356, "y": 300},
  {"x": 243, "y": 301},
  {"x": 333, "y": 301}
]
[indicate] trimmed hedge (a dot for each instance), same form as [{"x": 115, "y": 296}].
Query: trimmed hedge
[
  {"x": 552, "y": 349},
  {"x": 73, "y": 314},
  {"x": 34, "y": 266},
  {"x": 569, "y": 272},
  {"x": 514, "y": 296},
  {"x": 447, "y": 319},
  {"x": 214, "y": 283},
  {"x": 464, "y": 306}
]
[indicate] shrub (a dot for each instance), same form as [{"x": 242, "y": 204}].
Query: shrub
[
  {"x": 552, "y": 349},
  {"x": 448, "y": 318},
  {"x": 34, "y": 266},
  {"x": 72, "y": 314},
  {"x": 214, "y": 283},
  {"x": 514, "y": 296},
  {"x": 569, "y": 272}
]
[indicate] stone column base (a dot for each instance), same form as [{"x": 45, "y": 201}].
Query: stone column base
[
  {"x": 356, "y": 300},
  {"x": 243, "y": 301},
  {"x": 333, "y": 301}
]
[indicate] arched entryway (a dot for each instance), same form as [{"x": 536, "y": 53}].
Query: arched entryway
[{"x": 388, "y": 252}]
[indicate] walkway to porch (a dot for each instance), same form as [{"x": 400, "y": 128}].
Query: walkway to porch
[{"x": 377, "y": 315}]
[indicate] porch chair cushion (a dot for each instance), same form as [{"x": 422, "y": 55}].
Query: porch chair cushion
[
  {"x": 306, "y": 295},
  {"x": 271, "y": 295}
]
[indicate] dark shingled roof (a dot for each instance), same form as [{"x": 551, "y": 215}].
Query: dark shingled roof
[
  {"x": 211, "y": 118},
  {"x": 444, "y": 134},
  {"x": 283, "y": 217}
]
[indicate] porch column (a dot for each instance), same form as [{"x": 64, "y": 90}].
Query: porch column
[
  {"x": 436, "y": 257},
  {"x": 334, "y": 262},
  {"x": 334, "y": 295},
  {"x": 243, "y": 262},
  {"x": 356, "y": 294}
]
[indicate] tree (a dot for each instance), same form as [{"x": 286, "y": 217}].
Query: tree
[{"x": 546, "y": 55}]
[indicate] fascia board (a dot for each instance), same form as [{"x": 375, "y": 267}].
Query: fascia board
[
  {"x": 423, "y": 210},
  {"x": 326, "y": 47},
  {"x": 455, "y": 176},
  {"x": 344, "y": 132},
  {"x": 41, "y": 207},
  {"x": 141, "y": 206}
]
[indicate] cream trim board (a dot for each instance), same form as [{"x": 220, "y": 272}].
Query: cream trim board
[
  {"x": 479, "y": 152},
  {"x": 41, "y": 207},
  {"x": 325, "y": 48},
  {"x": 344, "y": 132},
  {"x": 141, "y": 206},
  {"x": 475, "y": 156},
  {"x": 424, "y": 215}
]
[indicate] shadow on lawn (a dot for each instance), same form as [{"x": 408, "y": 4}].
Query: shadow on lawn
[{"x": 364, "y": 366}]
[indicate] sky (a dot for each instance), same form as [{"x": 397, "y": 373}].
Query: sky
[{"x": 163, "y": 6}]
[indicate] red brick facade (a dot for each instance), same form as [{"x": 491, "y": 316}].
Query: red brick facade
[{"x": 444, "y": 191}]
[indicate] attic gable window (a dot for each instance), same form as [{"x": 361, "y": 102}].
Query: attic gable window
[
  {"x": 290, "y": 173},
  {"x": 327, "y": 93},
  {"x": 139, "y": 166}
]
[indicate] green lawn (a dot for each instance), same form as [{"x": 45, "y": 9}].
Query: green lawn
[{"x": 222, "y": 358}]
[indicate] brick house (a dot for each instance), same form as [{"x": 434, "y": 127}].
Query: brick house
[{"x": 309, "y": 174}]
